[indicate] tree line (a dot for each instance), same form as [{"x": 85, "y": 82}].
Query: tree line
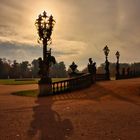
[{"x": 25, "y": 69}]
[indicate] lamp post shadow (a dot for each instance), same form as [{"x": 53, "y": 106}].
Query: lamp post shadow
[{"x": 47, "y": 123}]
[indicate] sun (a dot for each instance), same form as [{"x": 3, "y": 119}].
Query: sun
[{"x": 39, "y": 8}]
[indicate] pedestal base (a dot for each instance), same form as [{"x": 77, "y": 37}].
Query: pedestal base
[
  {"x": 45, "y": 89},
  {"x": 117, "y": 76}
]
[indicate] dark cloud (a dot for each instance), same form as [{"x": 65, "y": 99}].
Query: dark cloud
[{"x": 19, "y": 51}]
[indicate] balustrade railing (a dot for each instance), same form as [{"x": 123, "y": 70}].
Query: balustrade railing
[
  {"x": 101, "y": 77},
  {"x": 72, "y": 84},
  {"x": 126, "y": 76}
]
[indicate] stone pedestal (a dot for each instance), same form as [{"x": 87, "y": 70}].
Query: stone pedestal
[
  {"x": 45, "y": 86},
  {"x": 45, "y": 89},
  {"x": 117, "y": 76}
]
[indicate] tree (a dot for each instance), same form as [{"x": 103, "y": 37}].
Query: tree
[
  {"x": 58, "y": 70},
  {"x": 24, "y": 69},
  {"x": 4, "y": 68},
  {"x": 35, "y": 68},
  {"x": 15, "y": 70}
]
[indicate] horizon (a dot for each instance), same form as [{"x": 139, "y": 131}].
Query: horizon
[
  {"x": 79, "y": 68},
  {"x": 81, "y": 31}
]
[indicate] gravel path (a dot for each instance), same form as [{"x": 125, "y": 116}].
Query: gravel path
[{"x": 106, "y": 111}]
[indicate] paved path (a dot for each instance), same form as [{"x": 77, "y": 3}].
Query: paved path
[
  {"x": 106, "y": 111},
  {"x": 13, "y": 88}
]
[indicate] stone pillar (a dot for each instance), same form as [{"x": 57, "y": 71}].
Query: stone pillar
[{"x": 45, "y": 87}]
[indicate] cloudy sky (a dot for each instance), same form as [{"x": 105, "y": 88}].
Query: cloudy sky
[{"x": 82, "y": 29}]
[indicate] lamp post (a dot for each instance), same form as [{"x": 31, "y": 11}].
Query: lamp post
[
  {"x": 106, "y": 52},
  {"x": 44, "y": 25},
  {"x": 117, "y": 65}
]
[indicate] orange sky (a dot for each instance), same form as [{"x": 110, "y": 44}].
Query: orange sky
[{"x": 83, "y": 28}]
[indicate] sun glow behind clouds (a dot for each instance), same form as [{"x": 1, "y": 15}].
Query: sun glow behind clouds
[
  {"x": 33, "y": 13},
  {"x": 82, "y": 27},
  {"x": 19, "y": 21},
  {"x": 39, "y": 7}
]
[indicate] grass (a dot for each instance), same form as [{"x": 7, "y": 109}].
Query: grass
[
  {"x": 24, "y": 82},
  {"x": 14, "y": 82},
  {"x": 28, "y": 93}
]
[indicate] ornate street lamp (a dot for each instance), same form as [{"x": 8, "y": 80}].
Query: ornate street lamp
[
  {"x": 117, "y": 55},
  {"x": 44, "y": 25},
  {"x": 106, "y": 52},
  {"x": 117, "y": 65}
]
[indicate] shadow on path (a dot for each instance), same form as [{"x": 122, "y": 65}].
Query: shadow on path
[
  {"x": 96, "y": 92},
  {"x": 102, "y": 91},
  {"x": 47, "y": 124}
]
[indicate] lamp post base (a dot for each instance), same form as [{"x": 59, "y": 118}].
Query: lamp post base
[
  {"x": 107, "y": 76},
  {"x": 45, "y": 89},
  {"x": 45, "y": 86},
  {"x": 117, "y": 76}
]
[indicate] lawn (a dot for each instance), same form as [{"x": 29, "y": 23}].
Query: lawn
[
  {"x": 28, "y": 93},
  {"x": 24, "y": 82}
]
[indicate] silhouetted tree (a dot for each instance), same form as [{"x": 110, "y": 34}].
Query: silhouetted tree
[
  {"x": 35, "y": 68},
  {"x": 24, "y": 69},
  {"x": 58, "y": 70},
  {"x": 15, "y": 70},
  {"x": 4, "y": 68}
]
